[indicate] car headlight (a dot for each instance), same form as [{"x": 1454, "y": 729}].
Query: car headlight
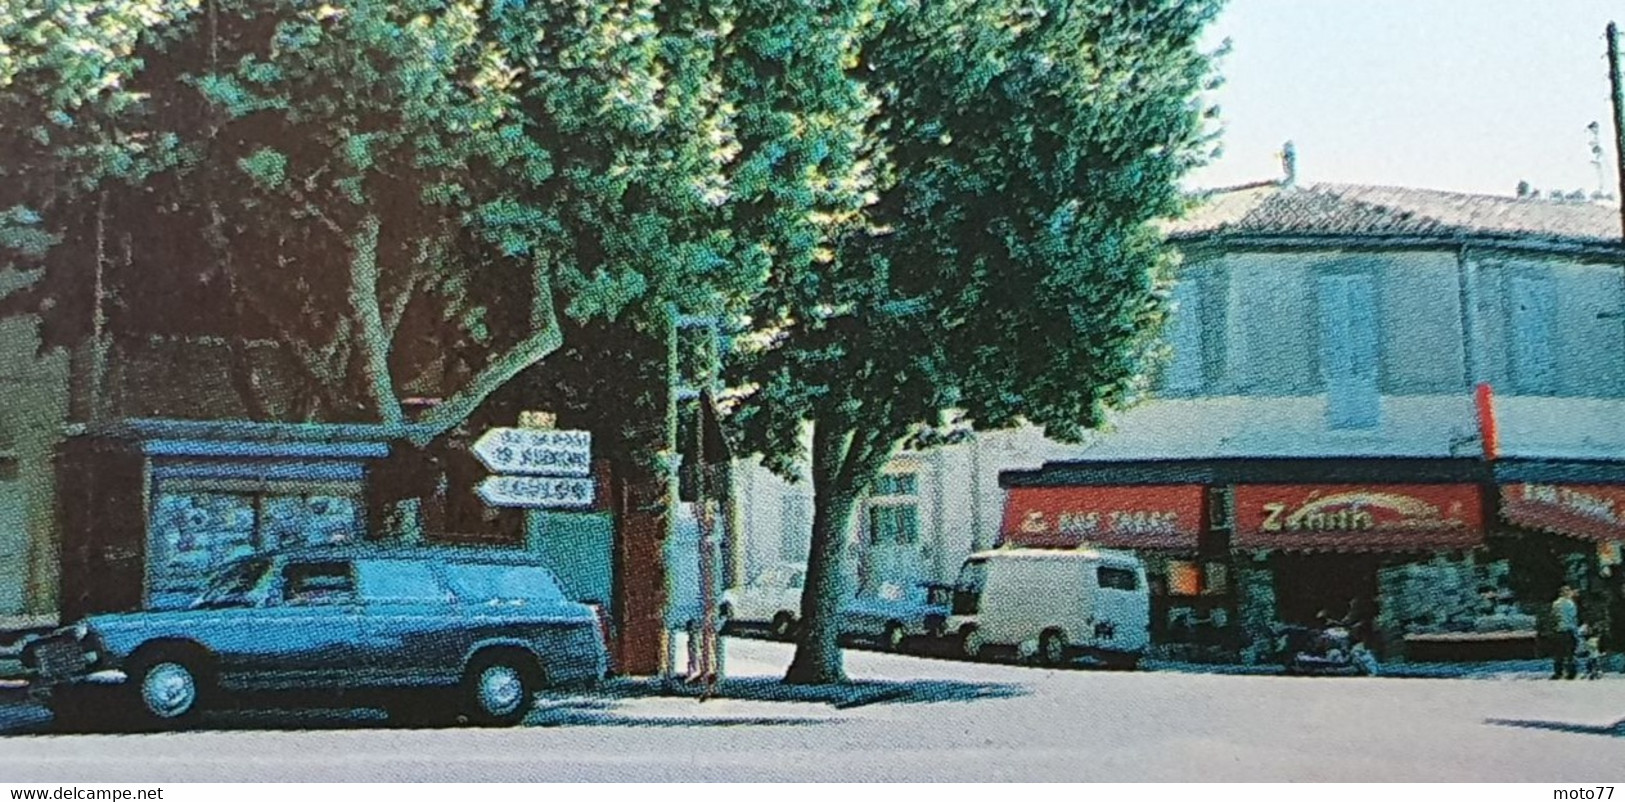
[{"x": 81, "y": 630}]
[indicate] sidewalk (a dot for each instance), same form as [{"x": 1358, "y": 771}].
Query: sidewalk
[{"x": 1493, "y": 670}]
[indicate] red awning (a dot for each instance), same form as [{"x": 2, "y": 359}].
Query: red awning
[
  {"x": 1590, "y": 512},
  {"x": 1358, "y": 517},
  {"x": 1120, "y": 516}
]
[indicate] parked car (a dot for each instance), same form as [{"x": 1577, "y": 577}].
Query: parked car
[
  {"x": 772, "y": 599},
  {"x": 1063, "y": 603},
  {"x": 897, "y": 613},
  {"x": 476, "y": 632}
]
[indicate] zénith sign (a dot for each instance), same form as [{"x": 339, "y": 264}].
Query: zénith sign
[
  {"x": 536, "y": 491},
  {"x": 535, "y": 452}
]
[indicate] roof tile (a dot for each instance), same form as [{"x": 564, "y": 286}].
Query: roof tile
[{"x": 1359, "y": 210}]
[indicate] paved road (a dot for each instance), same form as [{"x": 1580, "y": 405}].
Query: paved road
[{"x": 994, "y": 723}]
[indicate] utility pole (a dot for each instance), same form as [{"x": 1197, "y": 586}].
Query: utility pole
[{"x": 1618, "y": 86}]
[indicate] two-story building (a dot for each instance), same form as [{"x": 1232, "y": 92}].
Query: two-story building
[{"x": 1319, "y": 438}]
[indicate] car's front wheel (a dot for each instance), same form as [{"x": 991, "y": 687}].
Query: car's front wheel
[
  {"x": 500, "y": 688},
  {"x": 971, "y": 643},
  {"x": 168, "y": 690}
]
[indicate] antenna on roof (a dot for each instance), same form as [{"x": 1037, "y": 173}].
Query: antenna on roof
[
  {"x": 1289, "y": 163},
  {"x": 1595, "y": 131}
]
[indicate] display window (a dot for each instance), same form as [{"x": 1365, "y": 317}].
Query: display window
[{"x": 197, "y": 527}]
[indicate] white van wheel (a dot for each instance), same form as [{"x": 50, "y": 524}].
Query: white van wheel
[
  {"x": 971, "y": 643},
  {"x": 1052, "y": 648}
]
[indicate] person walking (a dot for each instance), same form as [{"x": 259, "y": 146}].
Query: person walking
[{"x": 1566, "y": 620}]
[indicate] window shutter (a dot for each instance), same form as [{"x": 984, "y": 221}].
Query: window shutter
[
  {"x": 1350, "y": 351},
  {"x": 1533, "y": 308},
  {"x": 1185, "y": 338}
]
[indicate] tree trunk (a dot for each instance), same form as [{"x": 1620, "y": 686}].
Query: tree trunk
[{"x": 818, "y": 657}]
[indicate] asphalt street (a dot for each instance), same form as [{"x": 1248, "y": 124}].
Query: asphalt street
[{"x": 912, "y": 719}]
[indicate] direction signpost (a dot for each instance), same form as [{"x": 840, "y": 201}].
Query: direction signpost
[
  {"x": 536, "y": 491},
  {"x": 543, "y": 468}
]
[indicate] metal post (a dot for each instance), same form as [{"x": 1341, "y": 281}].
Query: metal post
[
  {"x": 673, "y": 500},
  {"x": 1618, "y": 95}
]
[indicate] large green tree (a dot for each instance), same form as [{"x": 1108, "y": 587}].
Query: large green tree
[
  {"x": 1008, "y": 270},
  {"x": 394, "y": 190}
]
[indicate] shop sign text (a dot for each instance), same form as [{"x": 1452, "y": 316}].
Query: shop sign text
[{"x": 1332, "y": 509}]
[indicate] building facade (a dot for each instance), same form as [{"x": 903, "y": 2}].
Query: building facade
[{"x": 1318, "y": 439}]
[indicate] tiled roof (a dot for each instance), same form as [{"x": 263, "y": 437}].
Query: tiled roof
[{"x": 1356, "y": 210}]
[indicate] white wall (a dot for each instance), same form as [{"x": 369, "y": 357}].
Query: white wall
[{"x": 1266, "y": 398}]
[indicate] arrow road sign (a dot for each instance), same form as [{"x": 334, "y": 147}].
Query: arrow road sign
[
  {"x": 536, "y": 491},
  {"x": 540, "y": 452}
]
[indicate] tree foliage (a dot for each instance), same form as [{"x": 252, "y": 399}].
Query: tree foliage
[
  {"x": 399, "y": 191},
  {"x": 1008, "y": 269}
]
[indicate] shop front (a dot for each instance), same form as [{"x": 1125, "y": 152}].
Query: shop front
[
  {"x": 1402, "y": 564},
  {"x": 151, "y": 508},
  {"x": 1582, "y": 524},
  {"x": 1239, "y": 547},
  {"x": 1192, "y": 601}
]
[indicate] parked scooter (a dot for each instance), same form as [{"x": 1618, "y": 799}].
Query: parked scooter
[{"x": 1327, "y": 649}]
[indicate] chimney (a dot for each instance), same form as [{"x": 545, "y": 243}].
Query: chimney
[{"x": 1289, "y": 164}]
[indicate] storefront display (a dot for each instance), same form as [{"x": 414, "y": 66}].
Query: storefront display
[
  {"x": 197, "y": 528},
  {"x": 210, "y": 493}
]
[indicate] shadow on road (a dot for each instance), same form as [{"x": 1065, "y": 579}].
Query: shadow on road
[
  {"x": 1616, "y": 729},
  {"x": 847, "y": 695}
]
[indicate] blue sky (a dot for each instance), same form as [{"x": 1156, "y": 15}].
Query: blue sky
[{"x": 1465, "y": 95}]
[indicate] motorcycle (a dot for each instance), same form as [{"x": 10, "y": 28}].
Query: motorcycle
[{"x": 1327, "y": 649}]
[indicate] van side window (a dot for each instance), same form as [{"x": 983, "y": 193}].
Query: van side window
[{"x": 1116, "y": 578}]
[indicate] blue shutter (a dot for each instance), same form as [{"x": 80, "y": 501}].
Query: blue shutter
[
  {"x": 1533, "y": 308},
  {"x": 1350, "y": 351},
  {"x": 1185, "y": 374}
]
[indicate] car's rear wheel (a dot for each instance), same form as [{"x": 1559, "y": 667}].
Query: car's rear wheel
[
  {"x": 784, "y": 625},
  {"x": 893, "y": 637},
  {"x": 500, "y": 688}
]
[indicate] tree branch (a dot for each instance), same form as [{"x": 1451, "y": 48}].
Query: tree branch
[
  {"x": 397, "y": 306},
  {"x": 240, "y": 365},
  {"x": 373, "y": 340},
  {"x": 544, "y": 340},
  {"x": 869, "y": 450}
]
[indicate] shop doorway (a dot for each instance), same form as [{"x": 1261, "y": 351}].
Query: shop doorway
[{"x": 1306, "y": 584}]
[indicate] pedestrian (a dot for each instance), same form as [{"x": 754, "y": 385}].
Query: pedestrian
[
  {"x": 1566, "y": 622},
  {"x": 1589, "y": 655}
]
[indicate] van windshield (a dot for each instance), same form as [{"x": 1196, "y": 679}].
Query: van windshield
[{"x": 968, "y": 590}]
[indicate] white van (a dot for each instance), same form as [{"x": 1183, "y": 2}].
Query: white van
[{"x": 1055, "y": 604}]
